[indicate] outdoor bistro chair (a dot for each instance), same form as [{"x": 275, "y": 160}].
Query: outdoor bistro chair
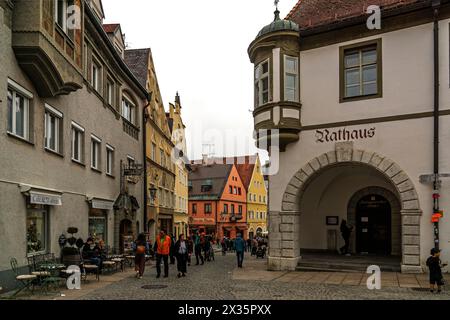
[{"x": 26, "y": 280}]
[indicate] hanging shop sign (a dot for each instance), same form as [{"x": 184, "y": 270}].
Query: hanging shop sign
[{"x": 344, "y": 134}]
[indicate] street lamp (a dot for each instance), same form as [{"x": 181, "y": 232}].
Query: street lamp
[{"x": 153, "y": 193}]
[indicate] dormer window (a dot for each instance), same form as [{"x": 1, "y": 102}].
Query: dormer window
[
  {"x": 262, "y": 84},
  {"x": 207, "y": 185},
  {"x": 291, "y": 79}
]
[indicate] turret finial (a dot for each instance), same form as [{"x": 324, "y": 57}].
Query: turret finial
[{"x": 277, "y": 12}]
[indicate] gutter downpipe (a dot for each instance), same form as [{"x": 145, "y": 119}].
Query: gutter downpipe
[
  {"x": 436, "y": 193},
  {"x": 144, "y": 151}
]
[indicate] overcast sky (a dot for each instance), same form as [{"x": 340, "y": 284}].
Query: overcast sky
[{"x": 200, "y": 49}]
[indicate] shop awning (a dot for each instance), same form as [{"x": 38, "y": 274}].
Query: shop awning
[{"x": 42, "y": 196}]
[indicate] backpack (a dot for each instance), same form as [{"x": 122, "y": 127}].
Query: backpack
[{"x": 140, "y": 249}]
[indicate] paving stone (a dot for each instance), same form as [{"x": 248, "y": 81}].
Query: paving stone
[{"x": 221, "y": 280}]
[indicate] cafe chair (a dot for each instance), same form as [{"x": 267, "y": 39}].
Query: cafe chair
[{"x": 27, "y": 281}]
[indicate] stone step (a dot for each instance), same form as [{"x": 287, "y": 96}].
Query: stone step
[{"x": 343, "y": 267}]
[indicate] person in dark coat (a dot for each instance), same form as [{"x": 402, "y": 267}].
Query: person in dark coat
[
  {"x": 198, "y": 249},
  {"x": 172, "y": 249},
  {"x": 190, "y": 243},
  {"x": 435, "y": 265},
  {"x": 140, "y": 248},
  {"x": 182, "y": 254},
  {"x": 346, "y": 231},
  {"x": 240, "y": 245}
]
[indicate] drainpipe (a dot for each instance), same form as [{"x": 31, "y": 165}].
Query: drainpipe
[
  {"x": 436, "y": 193},
  {"x": 144, "y": 151}
]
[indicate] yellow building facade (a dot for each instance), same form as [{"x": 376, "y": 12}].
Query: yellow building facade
[
  {"x": 257, "y": 203},
  {"x": 159, "y": 146},
  {"x": 177, "y": 128}
]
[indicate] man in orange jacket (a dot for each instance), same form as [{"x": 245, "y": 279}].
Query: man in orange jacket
[{"x": 162, "y": 248}]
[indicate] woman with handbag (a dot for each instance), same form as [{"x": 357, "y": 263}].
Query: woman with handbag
[
  {"x": 140, "y": 247},
  {"x": 182, "y": 254}
]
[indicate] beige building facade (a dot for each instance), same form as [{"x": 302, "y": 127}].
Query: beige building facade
[
  {"x": 354, "y": 114},
  {"x": 179, "y": 156},
  {"x": 71, "y": 120}
]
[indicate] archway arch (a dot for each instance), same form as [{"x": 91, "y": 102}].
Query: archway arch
[{"x": 405, "y": 192}]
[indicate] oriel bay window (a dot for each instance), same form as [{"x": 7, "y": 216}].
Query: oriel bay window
[
  {"x": 53, "y": 129},
  {"x": 64, "y": 11},
  {"x": 262, "y": 83},
  {"x": 77, "y": 143},
  {"x": 291, "y": 79},
  {"x": 18, "y": 108},
  {"x": 95, "y": 152},
  {"x": 361, "y": 71}
]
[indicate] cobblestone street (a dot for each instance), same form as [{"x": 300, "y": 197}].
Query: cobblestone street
[{"x": 221, "y": 280}]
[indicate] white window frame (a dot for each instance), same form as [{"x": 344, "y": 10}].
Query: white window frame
[
  {"x": 77, "y": 129},
  {"x": 130, "y": 116},
  {"x": 96, "y": 74},
  {"x": 15, "y": 90},
  {"x": 52, "y": 112},
  {"x": 64, "y": 17},
  {"x": 294, "y": 73},
  {"x": 130, "y": 158},
  {"x": 96, "y": 145},
  {"x": 259, "y": 78},
  {"x": 110, "y": 92},
  {"x": 109, "y": 160}
]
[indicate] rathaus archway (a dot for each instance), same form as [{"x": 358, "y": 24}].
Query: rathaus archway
[{"x": 368, "y": 190}]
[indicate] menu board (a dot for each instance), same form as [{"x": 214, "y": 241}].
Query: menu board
[{"x": 128, "y": 244}]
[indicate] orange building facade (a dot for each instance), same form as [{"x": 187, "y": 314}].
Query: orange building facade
[{"x": 217, "y": 200}]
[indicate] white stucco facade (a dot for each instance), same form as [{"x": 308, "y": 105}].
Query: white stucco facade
[{"x": 388, "y": 147}]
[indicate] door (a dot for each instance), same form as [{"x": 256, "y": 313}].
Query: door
[{"x": 373, "y": 226}]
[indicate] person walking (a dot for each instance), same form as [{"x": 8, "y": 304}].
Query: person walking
[
  {"x": 162, "y": 249},
  {"x": 198, "y": 249},
  {"x": 249, "y": 244},
  {"x": 224, "y": 246},
  {"x": 190, "y": 244},
  {"x": 346, "y": 231},
  {"x": 172, "y": 249},
  {"x": 140, "y": 248},
  {"x": 239, "y": 245},
  {"x": 435, "y": 265},
  {"x": 207, "y": 248},
  {"x": 181, "y": 253}
]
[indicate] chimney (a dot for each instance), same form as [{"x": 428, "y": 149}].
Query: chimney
[{"x": 204, "y": 159}]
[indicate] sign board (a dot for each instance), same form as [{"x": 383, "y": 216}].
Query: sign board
[
  {"x": 102, "y": 204},
  {"x": 45, "y": 199},
  {"x": 133, "y": 170},
  {"x": 431, "y": 178}
]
